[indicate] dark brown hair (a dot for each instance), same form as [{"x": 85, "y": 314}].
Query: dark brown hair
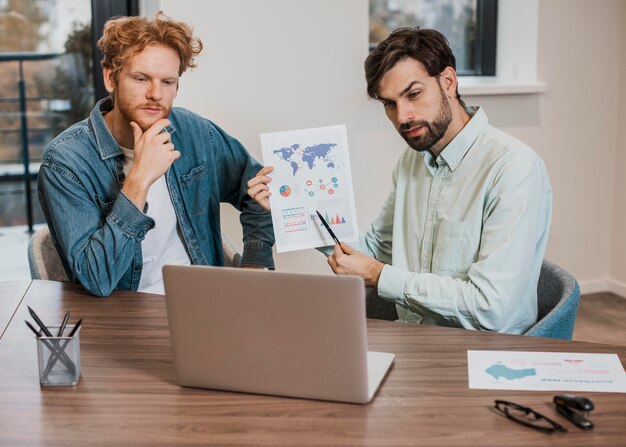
[
  {"x": 427, "y": 46},
  {"x": 124, "y": 37}
]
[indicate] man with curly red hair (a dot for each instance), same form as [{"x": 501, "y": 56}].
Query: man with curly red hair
[{"x": 138, "y": 183}]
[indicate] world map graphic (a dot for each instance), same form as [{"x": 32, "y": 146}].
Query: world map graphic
[
  {"x": 309, "y": 156},
  {"x": 499, "y": 370}
]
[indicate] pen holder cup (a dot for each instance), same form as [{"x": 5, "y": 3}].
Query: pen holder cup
[{"x": 59, "y": 358}]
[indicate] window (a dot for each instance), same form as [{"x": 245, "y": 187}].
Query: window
[
  {"x": 469, "y": 25},
  {"x": 46, "y": 84},
  {"x": 511, "y": 47}
]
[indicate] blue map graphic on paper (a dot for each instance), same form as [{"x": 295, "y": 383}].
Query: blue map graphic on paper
[
  {"x": 499, "y": 370},
  {"x": 308, "y": 156}
]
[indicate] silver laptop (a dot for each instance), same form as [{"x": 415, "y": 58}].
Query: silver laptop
[{"x": 264, "y": 332}]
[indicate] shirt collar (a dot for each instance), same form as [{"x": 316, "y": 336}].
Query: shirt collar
[
  {"x": 107, "y": 145},
  {"x": 105, "y": 142},
  {"x": 456, "y": 149}
]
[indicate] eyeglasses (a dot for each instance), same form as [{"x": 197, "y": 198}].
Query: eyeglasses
[{"x": 528, "y": 417}]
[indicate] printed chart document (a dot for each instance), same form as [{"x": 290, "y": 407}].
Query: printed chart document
[
  {"x": 545, "y": 371},
  {"x": 311, "y": 172}
]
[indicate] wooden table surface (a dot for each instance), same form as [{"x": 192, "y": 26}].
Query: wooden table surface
[
  {"x": 11, "y": 293},
  {"x": 127, "y": 394}
]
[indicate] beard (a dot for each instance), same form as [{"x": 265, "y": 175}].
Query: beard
[
  {"x": 433, "y": 131},
  {"x": 132, "y": 112}
]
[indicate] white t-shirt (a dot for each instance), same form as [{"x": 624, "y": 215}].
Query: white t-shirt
[{"x": 163, "y": 244}]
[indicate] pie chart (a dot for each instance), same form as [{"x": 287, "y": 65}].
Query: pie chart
[{"x": 285, "y": 190}]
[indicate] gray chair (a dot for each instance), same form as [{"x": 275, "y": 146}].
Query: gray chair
[
  {"x": 558, "y": 295},
  {"x": 43, "y": 259},
  {"x": 377, "y": 307},
  {"x": 45, "y": 262}
]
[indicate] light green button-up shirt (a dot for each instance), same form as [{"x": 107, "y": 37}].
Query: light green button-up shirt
[{"x": 464, "y": 235}]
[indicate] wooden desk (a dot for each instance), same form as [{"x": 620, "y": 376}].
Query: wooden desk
[
  {"x": 11, "y": 293},
  {"x": 128, "y": 396}
]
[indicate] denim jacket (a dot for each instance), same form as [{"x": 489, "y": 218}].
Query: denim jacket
[{"x": 98, "y": 230}]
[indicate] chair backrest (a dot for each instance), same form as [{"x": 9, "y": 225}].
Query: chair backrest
[
  {"x": 377, "y": 307},
  {"x": 43, "y": 259},
  {"x": 558, "y": 295},
  {"x": 45, "y": 263}
]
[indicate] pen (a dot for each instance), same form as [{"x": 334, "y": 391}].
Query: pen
[
  {"x": 75, "y": 328},
  {"x": 43, "y": 327},
  {"x": 328, "y": 228},
  {"x": 62, "y": 328},
  {"x": 35, "y": 331}
]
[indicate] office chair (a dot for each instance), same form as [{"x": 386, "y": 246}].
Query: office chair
[
  {"x": 43, "y": 259},
  {"x": 377, "y": 307},
  {"x": 558, "y": 295},
  {"x": 45, "y": 263}
]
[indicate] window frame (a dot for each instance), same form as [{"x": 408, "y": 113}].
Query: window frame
[
  {"x": 516, "y": 54},
  {"x": 101, "y": 11},
  {"x": 486, "y": 35}
]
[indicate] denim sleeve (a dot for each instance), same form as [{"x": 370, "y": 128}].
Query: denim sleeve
[
  {"x": 235, "y": 167},
  {"x": 98, "y": 250}
]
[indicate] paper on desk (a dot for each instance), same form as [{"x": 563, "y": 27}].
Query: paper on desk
[
  {"x": 545, "y": 371},
  {"x": 311, "y": 172}
]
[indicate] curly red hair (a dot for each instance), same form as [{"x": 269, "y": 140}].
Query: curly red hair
[{"x": 124, "y": 37}]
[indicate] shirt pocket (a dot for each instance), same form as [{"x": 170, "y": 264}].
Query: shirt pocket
[
  {"x": 456, "y": 248},
  {"x": 194, "y": 188},
  {"x": 105, "y": 207}
]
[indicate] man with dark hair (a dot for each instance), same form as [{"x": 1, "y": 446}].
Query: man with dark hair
[
  {"x": 138, "y": 183},
  {"x": 461, "y": 238}
]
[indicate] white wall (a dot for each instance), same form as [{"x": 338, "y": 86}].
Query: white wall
[
  {"x": 618, "y": 248},
  {"x": 276, "y": 65},
  {"x": 580, "y": 52}
]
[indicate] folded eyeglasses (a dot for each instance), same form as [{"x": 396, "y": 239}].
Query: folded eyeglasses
[
  {"x": 574, "y": 408},
  {"x": 528, "y": 417}
]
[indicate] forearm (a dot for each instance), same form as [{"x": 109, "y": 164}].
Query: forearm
[
  {"x": 98, "y": 250},
  {"x": 258, "y": 236},
  {"x": 452, "y": 301},
  {"x": 101, "y": 259},
  {"x": 136, "y": 190}
]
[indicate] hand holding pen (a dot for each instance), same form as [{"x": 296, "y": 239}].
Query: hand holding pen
[{"x": 345, "y": 260}]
